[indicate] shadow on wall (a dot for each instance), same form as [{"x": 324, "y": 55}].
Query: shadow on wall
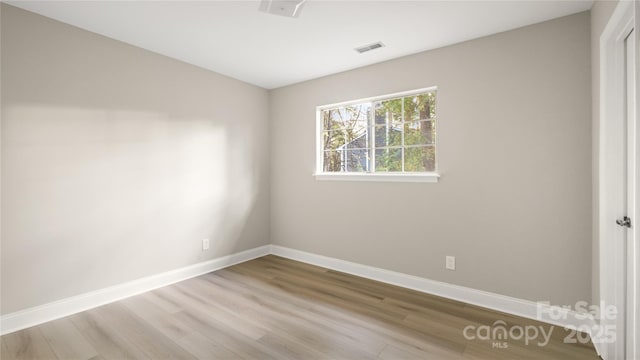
[
  {"x": 114, "y": 195},
  {"x": 117, "y": 162}
]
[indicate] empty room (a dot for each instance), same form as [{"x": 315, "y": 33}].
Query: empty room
[{"x": 319, "y": 179}]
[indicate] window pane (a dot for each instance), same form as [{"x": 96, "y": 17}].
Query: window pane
[
  {"x": 333, "y": 140},
  {"x": 331, "y": 120},
  {"x": 420, "y": 107},
  {"x": 349, "y": 117},
  {"x": 389, "y": 159},
  {"x": 358, "y": 118},
  {"x": 357, "y": 160},
  {"x": 421, "y": 158},
  {"x": 346, "y": 160},
  {"x": 388, "y": 136},
  {"x": 356, "y": 138},
  {"x": 388, "y": 112},
  {"x": 420, "y": 132},
  {"x": 332, "y": 161},
  {"x": 346, "y": 127}
]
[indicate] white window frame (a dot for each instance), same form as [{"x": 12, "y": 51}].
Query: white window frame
[{"x": 320, "y": 174}]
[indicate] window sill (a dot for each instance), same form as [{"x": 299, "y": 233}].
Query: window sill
[{"x": 389, "y": 177}]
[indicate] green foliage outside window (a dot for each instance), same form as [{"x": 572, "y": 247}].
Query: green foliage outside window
[{"x": 401, "y": 133}]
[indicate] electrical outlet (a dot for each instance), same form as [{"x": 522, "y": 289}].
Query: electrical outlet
[
  {"x": 205, "y": 244},
  {"x": 450, "y": 262}
]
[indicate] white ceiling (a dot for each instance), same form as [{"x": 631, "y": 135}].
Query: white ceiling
[{"x": 235, "y": 39}]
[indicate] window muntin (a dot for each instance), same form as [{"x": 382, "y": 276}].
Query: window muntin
[{"x": 391, "y": 134}]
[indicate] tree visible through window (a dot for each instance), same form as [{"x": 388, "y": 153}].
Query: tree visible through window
[{"x": 395, "y": 134}]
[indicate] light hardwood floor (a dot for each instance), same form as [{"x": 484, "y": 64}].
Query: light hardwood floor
[{"x": 274, "y": 308}]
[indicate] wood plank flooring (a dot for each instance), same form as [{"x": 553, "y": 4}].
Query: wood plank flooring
[{"x": 275, "y": 308}]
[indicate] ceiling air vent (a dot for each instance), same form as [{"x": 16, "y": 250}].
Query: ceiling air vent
[
  {"x": 364, "y": 49},
  {"x": 288, "y": 8}
]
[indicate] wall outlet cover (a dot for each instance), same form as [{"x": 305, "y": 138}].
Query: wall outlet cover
[{"x": 450, "y": 262}]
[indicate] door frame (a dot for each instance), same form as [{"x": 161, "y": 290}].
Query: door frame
[
  {"x": 633, "y": 202},
  {"x": 614, "y": 261}
]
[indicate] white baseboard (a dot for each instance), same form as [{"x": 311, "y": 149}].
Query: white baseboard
[
  {"x": 519, "y": 307},
  {"x": 37, "y": 315},
  {"x": 69, "y": 306}
]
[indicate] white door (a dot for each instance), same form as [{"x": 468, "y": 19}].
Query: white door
[{"x": 619, "y": 206}]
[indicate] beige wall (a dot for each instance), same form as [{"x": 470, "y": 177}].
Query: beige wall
[
  {"x": 514, "y": 201},
  {"x": 601, "y": 11},
  {"x": 117, "y": 162}
]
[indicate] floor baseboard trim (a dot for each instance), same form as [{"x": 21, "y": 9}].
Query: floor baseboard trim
[
  {"x": 40, "y": 314},
  {"x": 525, "y": 308},
  {"x": 511, "y": 305}
]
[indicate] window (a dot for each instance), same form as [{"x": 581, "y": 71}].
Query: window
[{"x": 391, "y": 137}]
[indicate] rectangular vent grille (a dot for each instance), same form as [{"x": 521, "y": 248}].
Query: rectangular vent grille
[{"x": 364, "y": 49}]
